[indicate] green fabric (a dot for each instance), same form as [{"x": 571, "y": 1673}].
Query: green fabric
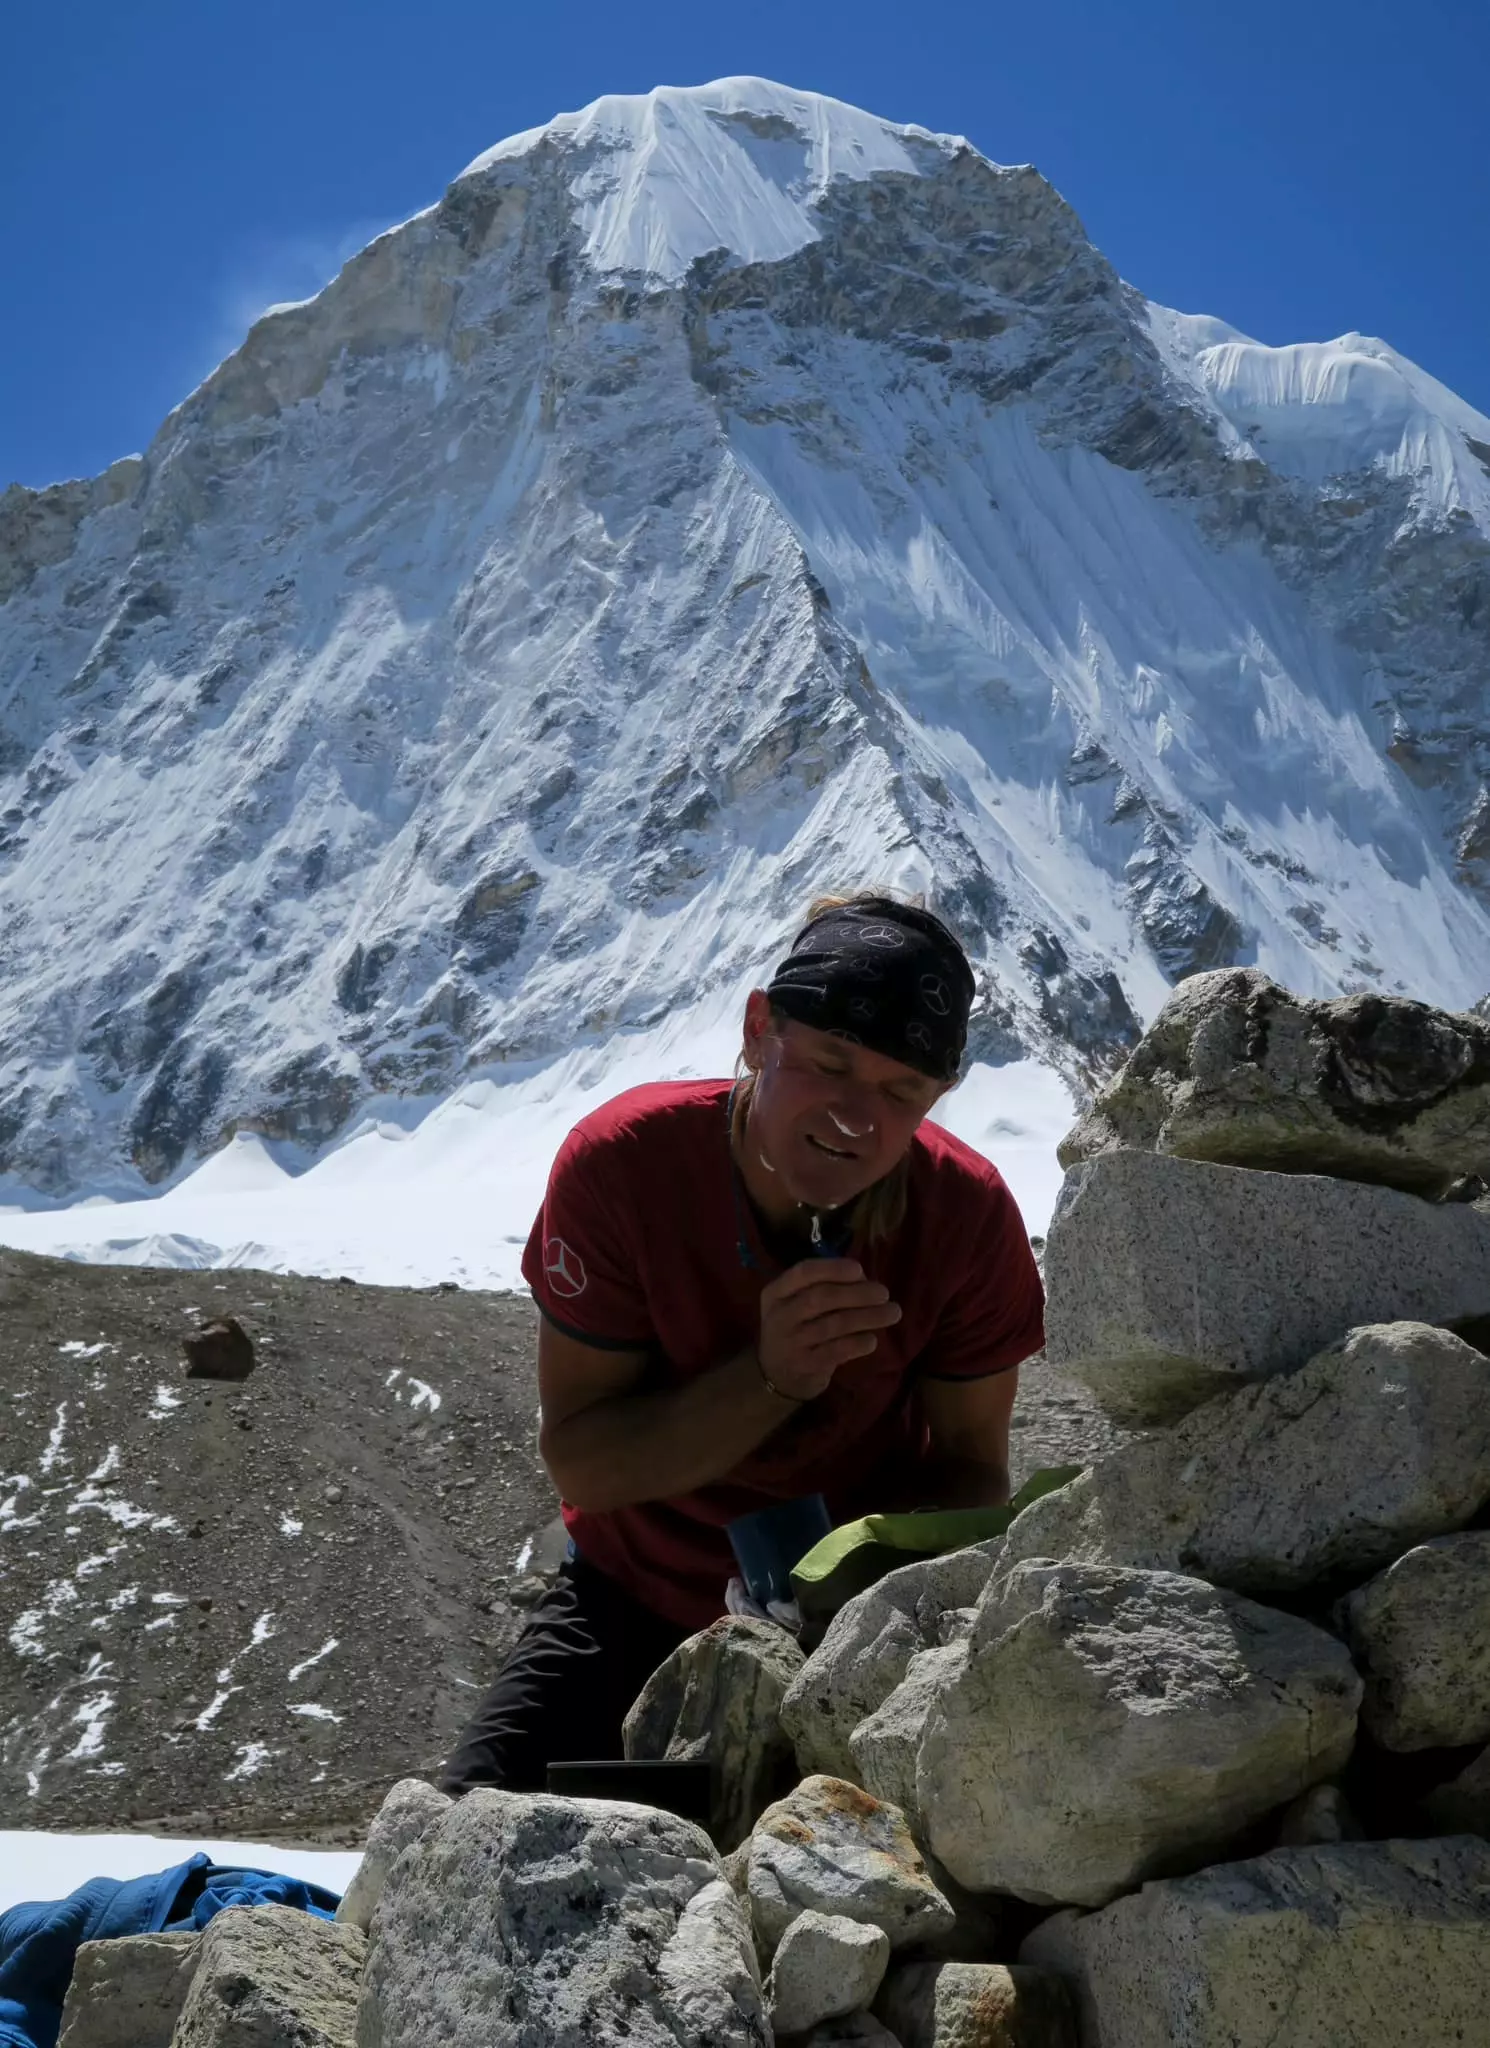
[{"x": 850, "y": 1559}]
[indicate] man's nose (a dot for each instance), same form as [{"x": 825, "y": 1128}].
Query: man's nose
[{"x": 852, "y": 1110}]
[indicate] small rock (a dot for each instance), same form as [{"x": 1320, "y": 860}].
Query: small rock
[
  {"x": 736, "y": 1867},
  {"x": 710, "y": 1974},
  {"x": 717, "y": 1700},
  {"x": 1317, "y": 1477},
  {"x": 977, "y": 2005},
  {"x": 825, "y": 1967},
  {"x": 854, "y": 2030},
  {"x": 887, "y": 1744},
  {"x": 272, "y": 1977},
  {"x": 221, "y": 1350},
  {"x": 1236, "y": 1070},
  {"x": 1111, "y": 1725},
  {"x": 527, "y": 1592},
  {"x": 332, "y": 1495},
  {"x": 128, "y": 1993},
  {"x": 1169, "y": 1281},
  {"x": 1420, "y": 1632},
  {"x": 867, "y": 1650},
  {"x": 1462, "y": 1806},
  {"x": 828, "y": 1847},
  {"x": 1322, "y": 1814},
  {"x": 1362, "y": 1942},
  {"x": 409, "y": 1809}
]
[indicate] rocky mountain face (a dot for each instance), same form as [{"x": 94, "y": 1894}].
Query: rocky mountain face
[{"x": 714, "y": 498}]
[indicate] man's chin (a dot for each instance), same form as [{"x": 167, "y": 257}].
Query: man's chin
[{"x": 823, "y": 1184}]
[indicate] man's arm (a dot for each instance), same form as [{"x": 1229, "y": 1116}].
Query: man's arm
[
  {"x": 969, "y": 1421},
  {"x": 607, "y": 1445}
]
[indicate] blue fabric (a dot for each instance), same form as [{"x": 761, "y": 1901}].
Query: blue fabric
[
  {"x": 226, "y": 1887},
  {"x": 39, "y": 1941}
]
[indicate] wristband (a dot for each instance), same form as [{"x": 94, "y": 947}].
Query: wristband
[{"x": 797, "y": 1400}]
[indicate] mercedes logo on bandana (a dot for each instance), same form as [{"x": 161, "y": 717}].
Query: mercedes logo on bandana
[
  {"x": 918, "y": 1035},
  {"x": 934, "y": 995},
  {"x": 564, "y": 1269},
  {"x": 884, "y": 935}
]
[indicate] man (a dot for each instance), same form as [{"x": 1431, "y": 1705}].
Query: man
[{"x": 699, "y": 1359}]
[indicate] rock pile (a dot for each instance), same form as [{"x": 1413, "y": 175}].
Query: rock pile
[{"x": 1197, "y": 1756}]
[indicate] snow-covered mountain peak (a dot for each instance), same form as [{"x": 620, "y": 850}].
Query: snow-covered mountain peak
[
  {"x": 662, "y": 178},
  {"x": 718, "y": 496},
  {"x": 1320, "y": 410}
]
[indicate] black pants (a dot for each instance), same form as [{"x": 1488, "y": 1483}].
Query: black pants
[{"x": 573, "y": 1674}]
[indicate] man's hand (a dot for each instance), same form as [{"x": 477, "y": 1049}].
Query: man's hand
[
  {"x": 816, "y": 1317},
  {"x": 607, "y": 1444}
]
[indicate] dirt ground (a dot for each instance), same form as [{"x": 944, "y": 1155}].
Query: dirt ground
[{"x": 248, "y": 1608}]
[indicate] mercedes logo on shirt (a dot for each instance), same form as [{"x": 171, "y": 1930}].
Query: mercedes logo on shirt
[{"x": 563, "y": 1268}]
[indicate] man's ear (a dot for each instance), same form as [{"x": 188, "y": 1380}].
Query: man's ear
[{"x": 757, "y": 1027}]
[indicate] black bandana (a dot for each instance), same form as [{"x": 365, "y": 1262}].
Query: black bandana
[{"x": 888, "y": 976}]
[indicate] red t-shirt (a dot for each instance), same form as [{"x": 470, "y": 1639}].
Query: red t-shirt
[{"x": 645, "y": 1241}]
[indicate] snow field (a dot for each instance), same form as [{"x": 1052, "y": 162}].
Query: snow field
[{"x": 453, "y": 1194}]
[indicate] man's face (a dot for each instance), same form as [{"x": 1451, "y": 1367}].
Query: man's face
[{"x": 829, "y": 1118}]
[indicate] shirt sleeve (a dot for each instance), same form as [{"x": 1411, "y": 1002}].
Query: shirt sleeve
[
  {"x": 995, "y": 1316},
  {"x": 579, "y": 1261}
]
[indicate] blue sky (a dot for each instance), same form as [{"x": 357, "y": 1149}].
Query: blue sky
[{"x": 169, "y": 169}]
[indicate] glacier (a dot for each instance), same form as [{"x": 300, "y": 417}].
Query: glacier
[{"x": 718, "y": 496}]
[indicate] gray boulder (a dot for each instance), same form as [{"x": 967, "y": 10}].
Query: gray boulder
[
  {"x": 867, "y": 1650},
  {"x": 825, "y": 1968},
  {"x": 1379, "y": 1942},
  {"x": 1317, "y": 1476},
  {"x": 408, "y": 1810},
  {"x": 272, "y": 1977},
  {"x": 830, "y": 1848},
  {"x": 977, "y": 2005},
  {"x": 1112, "y": 1725},
  {"x": 128, "y": 1993},
  {"x": 1237, "y": 1071},
  {"x": 717, "y": 1700},
  {"x": 1420, "y": 1633},
  {"x": 887, "y": 1744},
  {"x": 579, "y": 1923},
  {"x": 1169, "y": 1281}
]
